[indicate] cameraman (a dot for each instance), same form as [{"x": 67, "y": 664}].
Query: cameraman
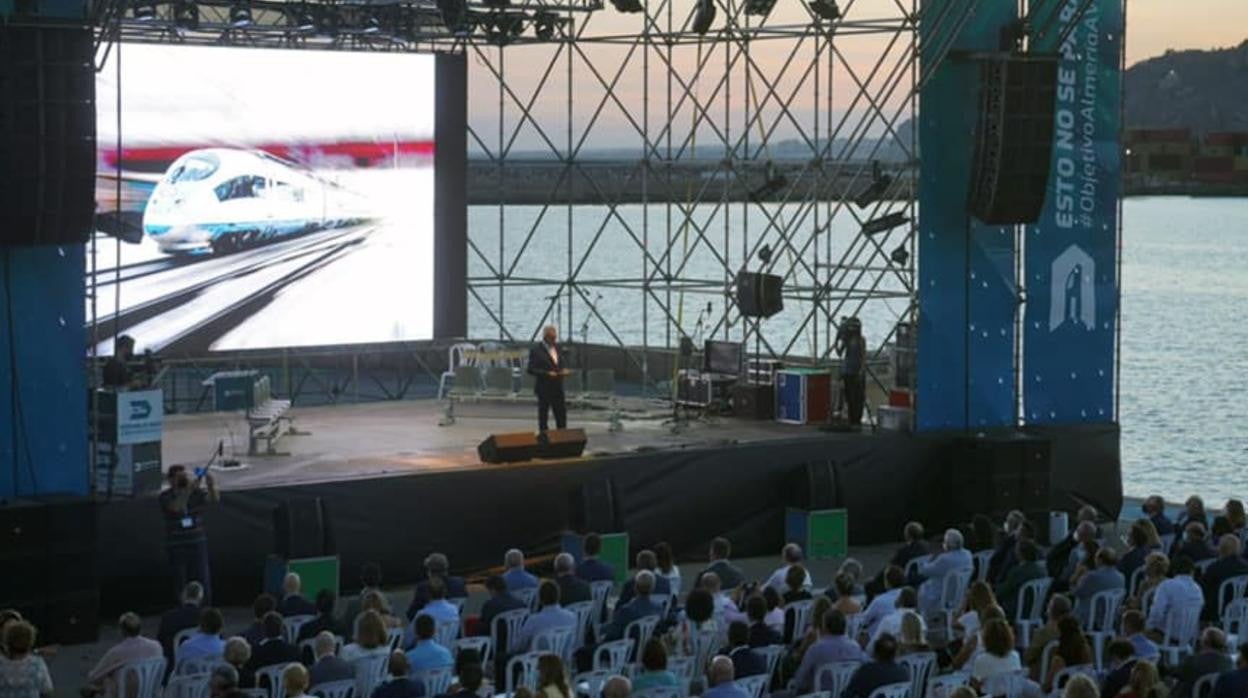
[
  {"x": 852, "y": 349},
  {"x": 182, "y": 504}
]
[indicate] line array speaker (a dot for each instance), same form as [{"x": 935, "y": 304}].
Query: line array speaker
[{"x": 759, "y": 294}]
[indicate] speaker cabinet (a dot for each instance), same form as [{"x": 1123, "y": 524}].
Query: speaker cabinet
[
  {"x": 753, "y": 401},
  {"x": 47, "y": 134},
  {"x": 561, "y": 443},
  {"x": 508, "y": 448},
  {"x": 758, "y": 294},
  {"x": 1013, "y": 139},
  {"x": 303, "y": 528},
  {"x": 995, "y": 475}
]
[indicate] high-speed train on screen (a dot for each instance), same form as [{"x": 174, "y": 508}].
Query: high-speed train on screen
[{"x": 224, "y": 199}]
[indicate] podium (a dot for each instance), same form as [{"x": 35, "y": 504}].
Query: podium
[{"x": 130, "y": 425}]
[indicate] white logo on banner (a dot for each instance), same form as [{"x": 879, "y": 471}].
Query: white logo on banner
[{"x": 1073, "y": 289}]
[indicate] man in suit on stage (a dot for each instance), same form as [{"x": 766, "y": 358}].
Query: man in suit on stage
[{"x": 546, "y": 365}]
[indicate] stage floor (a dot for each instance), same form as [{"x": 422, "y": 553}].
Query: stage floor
[{"x": 404, "y": 437}]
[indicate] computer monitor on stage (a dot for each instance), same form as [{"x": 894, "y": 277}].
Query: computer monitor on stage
[{"x": 723, "y": 357}]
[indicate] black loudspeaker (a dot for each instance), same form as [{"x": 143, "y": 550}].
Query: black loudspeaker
[
  {"x": 23, "y": 546},
  {"x": 594, "y": 507},
  {"x": 758, "y": 294},
  {"x": 47, "y": 135},
  {"x": 303, "y": 528},
  {"x": 995, "y": 475},
  {"x": 561, "y": 443},
  {"x": 508, "y": 448},
  {"x": 753, "y": 401},
  {"x": 813, "y": 486},
  {"x": 1014, "y": 139}
]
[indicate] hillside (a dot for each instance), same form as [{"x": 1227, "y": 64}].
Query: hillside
[{"x": 1201, "y": 90}]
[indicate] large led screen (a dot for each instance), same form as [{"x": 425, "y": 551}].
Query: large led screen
[{"x": 259, "y": 198}]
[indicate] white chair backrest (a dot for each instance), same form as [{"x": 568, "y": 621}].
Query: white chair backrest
[
  {"x": 800, "y": 613},
  {"x": 1010, "y": 685},
  {"x": 1031, "y": 597},
  {"x": 292, "y": 625},
  {"x": 705, "y": 644},
  {"x": 555, "y": 641},
  {"x": 202, "y": 665},
  {"x": 1103, "y": 610},
  {"x": 508, "y": 622},
  {"x": 522, "y": 671},
  {"x": 436, "y": 680},
  {"x": 682, "y": 667},
  {"x": 1203, "y": 565},
  {"x": 1046, "y": 660},
  {"x": 334, "y": 689},
  {"x": 641, "y": 630},
  {"x": 584, "y": 612},
  {"x": 187, "y": 686},
  {"x": 953, "y": 590},
  {"x": 816, "y": 694},
  {"x": 1181, "y": 625},
  {"x": 394, "y": 638},
  {"x": 1137, "y": 576},
  {"x": 145, "y": 677},
  {"x": 590, "y": 683},
  {"x": 460, "y": 354},
  {"x": 941, "y": 686},
  {"x": 370, "y": 671},
  {"x": 1060, "y": 679},
  {"x": 528, "y": 597},
  {"x": 614, "y": 655},
  {"x": 446, "y": 633},
  {"x": 892, "y": 690},
  {"x": 919, "y": 665},
  {"x": 854, "y": 626},
  {"x": 1203, "y": 687},
  {"x": 833, "y": 677},
  {"x": 1235, "y": 617},
  {"x": 482, "y": 645},
  {"x": 1146, "y": 601},
  {"x": 755, "y": 686},
  {"x": 1167, "y": 542},
  {"x": 271, "y": 677},
  {"x": 772, "y": 653},
  {"x": 1230, "y": 590},
  {"x": 912, "y": 568},
  {"x": 659, "y": 692},
  {"x": 980, "y": 562},
  {"x": 601, "y": 591}
]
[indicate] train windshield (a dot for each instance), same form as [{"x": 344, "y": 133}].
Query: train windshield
[
  {"x": 194, "y": 168},
  {"x": 244, "y": 187}
]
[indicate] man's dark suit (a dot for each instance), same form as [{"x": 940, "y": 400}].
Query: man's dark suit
[
  {"x": 762, "y": 635},
  {"x": 402, "y": 687},
  {"x": 330, "y": 669},
  {"x": 296, "y": 605},
  {"x": 271, "y": 652},
  {"x": 901, "y": 558},
  {"x": 592, "y": 569},
  {"x": 455, "y": 589},
  {"x": 173, "y": 621},
  {"x": 1196, "y": 666},
  {"x": 638, "y": 608},
  {"x": 747, "y": 662},
  {"x": 314, "y": 627},
  {"x": 1116, "y": 679},
  {"x": 662, "y": 589},
  {"x": 1002, "y": 560},
  {"x": 1232, "y": 684},
  {"x": 493, "y": 606},
  {"x": 573, "y": 589},
  {"x": 872, "y": 675},
  {"x": 1218, "y": 572},
  {"x": 730, "y": 576},
  {"x": 549, "y": 389},
  {"x": 1132, "y": 560}
]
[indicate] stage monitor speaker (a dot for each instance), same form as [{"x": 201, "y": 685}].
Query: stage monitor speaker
[
  {"x": 561, "y": 443},
  {"x": 758, "y": 294},
  {"x": 303, "y": 527},
  {"x": 594, "y": 507},
  {"x": 47, "y": 134},
  {"x": 754, "y": 401},
  {"x": 813, "y": 486},
  {"x": 1014, "y": 139},
  {"x": 508, "y": 448},
  {"x": 995, "y": 475}
]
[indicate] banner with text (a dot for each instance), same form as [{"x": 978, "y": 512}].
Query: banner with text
[{"x": 1071, "y": 253}]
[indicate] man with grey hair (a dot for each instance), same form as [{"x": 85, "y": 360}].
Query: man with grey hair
[
  {"x": 954, "y": 559},
  {"x": 648, "y": 561},
  {"x": 293, "y": 602},
  {"x": 223, "y": 683},
  {"x": 640, "y": 607},
  {"x": 514, "y": 573},
  {"x": 546, "y": 365},
  {"x": 133, "y": 647},
  {"x": 790, "y": 554},
  {"x": 617, "y": 687},
  {"x": 437, "y": 566},
  {"x": 327, "y": 666},
  {"x": 720, "y": 675},
  {"x": 1211, "y": 658},
  {"x": 1004, "y": 557},
  {"x": 572, "y": 589}
]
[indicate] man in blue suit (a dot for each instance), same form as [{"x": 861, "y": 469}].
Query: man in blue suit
[
  {"x": 591, "y": 568},
  {"x": 1104, "y": 577},
  {"x": 640, "y": 607},
  {"x": 954, "y": 559}
]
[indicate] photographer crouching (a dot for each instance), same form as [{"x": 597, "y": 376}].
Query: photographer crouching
[{"x": 182, "y": 504}]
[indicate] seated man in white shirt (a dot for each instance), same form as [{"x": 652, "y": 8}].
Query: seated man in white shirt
[
  {"x": 791, "y": 554},
  {"x": 954, "y": 559},
  {"x": 725, "y": 608},
  {"x": 907, "y": 602},
  {"x": 884, "y": 604},
  {"x": 1174, "y": 595}
]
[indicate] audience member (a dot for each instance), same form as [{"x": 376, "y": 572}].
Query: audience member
[
  {"x": 1058, "y": 560},
  {"x": 721, "y": 677},
  {"x": 183, "y": 617},
  {"x": 761, "y": 634},
  {"x": 325, "y": 621},
  {"x": 616, "y": 687},
  {"x": 223, "y": 682},
  {"x": 885, "y": 602},
  {"x": 698, "y": 615},
  {"x": 1145, "y": 682},
  {"x": 845, "y": 601},
  {"x": 1004, "y": 557},
  {"x": 379, "y": 603},
  {"x": 818, "y": 612},
  {"x": 790, "y": 555},
  {"x": 370, "y": 581},
  {"x": 572, "y": 589},
  {"x": 913, "y": 548},
  {"x": 514, "y": 573},
  {"x": 1104, "y": 577},
  {"x": 295, "y": 680},
  {"x": 293, "y": 601},
  {"x": 745, "y": 661},
  {"x": 1142, "y": 539},
  {"x": 552, "y": 679},
  {"x": 775, "y": 618},
  {"x": 647, "y": 561},
  {"x": 436, "y": 567},
  {"x": 425, "y": 652},
  {"x": 1072, "y": 650},
  {"x": 1229, "y": 564},
  {"x": 912, "y": 637},
  {"x": 206, "y": 641},
  {"x": 1175, "y": 595},
  {"x": 979, "y": 599},
  {"x": 1193, "y": 512},
  {"x": 1221, "y": 527},
  {"x": 23, "y": 674},
  {"x": 1195, "y": 545},
  {"x": 725, "y": 607},
  {"x": 1133, "y": 632},
  {"x": 437, "y": 608},
  {"x": 591, "y": 568},
  {"x": 1085, "y": 544},
  {"x": 370, "y": 638},
  {"x": 1235, "y": 515},
  {"x": 1234, "y": 683},
  {"x": 833, "y": 646},
  {"x": 1028, "y": 568},
  {"x": 1081, "y": 686},
  {"x": 470, "y": 675},
  {"x": 667, "y": 568},
  {"x": 500, "y": 601},
  {"x": 1059, "y": 608},
  {"x": 328, "y": 666},
  {"x": 1156, "y": 571},
  {"x": 133, "y": 647},
  {"x": 1155, "y": 509},
  {"x": 882, "y": 670},
  {"x": 998, "y": 655},
  {"x": 654, "y": 673},
  {"x": 551, "y": 616},
  {"x": 953, "y": 559},
  {"x": 400, "y": 684},
  {"x": 1120, "y": 661},
  {"x": 1210, "y": 658},
  {"x": 641, "y": 606},
  {"x": 273, "y": 649},
  {"x": 238, "y": 655},
  {"x": 730, "y": 576},
  {"x": 261, "y": 607},
  {"x": 907, "y": 602},
  {"x": 1088, "y": 550},
  {"x": 182, "y": 506}
]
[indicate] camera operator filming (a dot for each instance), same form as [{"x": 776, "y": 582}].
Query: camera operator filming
[
  {"x": 182, "y": 505},
  {"x": 852, "y": 348}
]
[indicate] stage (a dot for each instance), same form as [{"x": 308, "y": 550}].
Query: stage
[{"x": 399, "y": 486}]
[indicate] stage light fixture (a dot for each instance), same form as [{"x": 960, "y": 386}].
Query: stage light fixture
[
  {"x": 900, "y": 255},
  {"x": 504, "y": 28},
  {"x": 880, "y": 182},
  {"x": 704, "y": 17},
  {"x": 186, "y": 15},
  {"x": 760, "y": 8},
  {"x": 545, "y": 24},
  {"x": 240, "y": 14},
  {"x": 143, "y": 10},
  {"x": 883, "y": 223},
  {"x": 764, "y": 254},
  {"x": 825, "y": 9},
  {"x": 628, "y": 6}
]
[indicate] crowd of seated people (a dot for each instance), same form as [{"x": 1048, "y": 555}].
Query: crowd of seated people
[{"x": 985, "y": 609}]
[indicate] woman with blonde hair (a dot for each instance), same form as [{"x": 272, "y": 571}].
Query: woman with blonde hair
[
  {"x": 979, "y": 598},
  {"x": 552, "y": 680},
  {"x": 1145, "y": 682},
  {"x": 910, "y": 639},
  {"x": 376, "y": 601},
  {"x": 370, "y": 638},
  {"x": 295, "y": 680},
  {"x": 1156, "y": 569},
  {"x": 1081, "y": 686},
  {"x": 237, "y": 654}
]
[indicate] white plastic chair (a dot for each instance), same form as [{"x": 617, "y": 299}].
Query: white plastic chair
[
  {"x": 334, "y": 689},
  {"x": 307, "y": 648},
  {"x": 1146, "y": 601},
  {"x": 853, "y": 626},
  {"x": 1234, "y": 621},
  {"x": 201, "y": 665},
  {"x": 919, "y": 665},
  {"x": 817, "y": 694},
  {"x": 942, "y": 685},
  {"x": 1010, "y": 684},
  {"x": 510, "y": 622},
  {"x": 614, "y": 655},
  {"x": 601, "y": 591},
  {"x": 1029, "y": 611},
  {"x": 707, "y": 642},
  {"x": 526, "y": 666},
  {"x": 1167, "y": 542},
  {"x": 833, "y": 677},
  {"x": 755, "y": 686},
  {"x": 952, "y": 593},
  {"x": 1137, "y": 576},
  {"x": 1180, "y": 628},
  {"x": 436, "y": 680},
  {"x": 1203, "y": 565},
  {"x": 772, "y": 653},
  {"x": 182, "y": 636},
  {"x": 187, "y": 686},
  {"x": 141, "y": 679},
  {"x": 659, "y": 692},
  {"x": 1230, "y": 590},
  {"x": 1046, "y": 660},
  {"x": 683, "y": 668},
  {"x": 1102, "y": 614},
  {"x": 797, "y": 616},
  {"x": 1060, "y": 679},
  {"x": 446, "y": 633},
  {"x": 292, "y": 625},
  {"x": 528, "y": 597},
  {"x": 892, "y": 690},
  {"x": 554, "y": 641},
  {"x": 370, "y": 671},
  {"x": 1203, "y": 687},
  {"x": 394, "y": 638},
  {"x": 584, "y": 612},
  {"x": 458, "y": 355},
  {"x": 590, "y": 683},
  {"x": 272, "y": 677},
  {"x": 641, "y": 630},
  {"x": 482, "y": 645},
  {"x": 980, "y": 562}
]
